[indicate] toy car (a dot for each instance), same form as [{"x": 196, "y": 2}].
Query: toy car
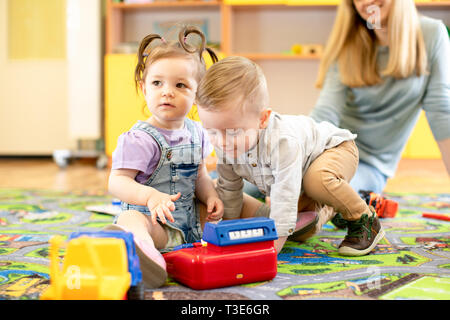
[
  {"x": 97, "y": 265},
  {"x": 233, "y": 252}
]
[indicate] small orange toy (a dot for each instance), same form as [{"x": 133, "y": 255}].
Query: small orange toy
[{"x": 384, "y": 208}]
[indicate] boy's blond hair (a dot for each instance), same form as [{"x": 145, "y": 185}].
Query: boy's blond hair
[{"x": 233, "y": 79}]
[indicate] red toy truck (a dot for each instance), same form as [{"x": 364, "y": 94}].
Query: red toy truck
[{"x": 233, "y": 252}]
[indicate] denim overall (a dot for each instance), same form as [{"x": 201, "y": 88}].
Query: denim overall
[{"x": 176, "y": 172}]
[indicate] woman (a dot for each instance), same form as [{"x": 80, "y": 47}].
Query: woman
[{"x": 384, "y": 63}]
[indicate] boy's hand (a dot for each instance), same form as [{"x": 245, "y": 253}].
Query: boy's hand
[
  {"x": 161, "y": 204},
  {"x": 214, "y": 207},
  {"x": 268, "y": 201}
]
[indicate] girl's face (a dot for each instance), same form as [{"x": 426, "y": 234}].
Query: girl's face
[
  {"x": 373, "y": 10},
  {"x": 169, "y": 89}
]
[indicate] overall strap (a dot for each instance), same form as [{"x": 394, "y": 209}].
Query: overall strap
[{"x": 151, "y": 130}]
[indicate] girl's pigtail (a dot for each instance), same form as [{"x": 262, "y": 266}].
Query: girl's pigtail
[
  {"x": 212, "y": 54},
  {"x": 182, "y": 36},
  {"x": 142, "y": 57}
]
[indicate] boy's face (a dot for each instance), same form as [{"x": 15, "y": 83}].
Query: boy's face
[{"x": 233, "y": 131}]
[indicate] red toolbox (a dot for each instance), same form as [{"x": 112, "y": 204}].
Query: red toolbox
[{"x": 234, "y": 252}]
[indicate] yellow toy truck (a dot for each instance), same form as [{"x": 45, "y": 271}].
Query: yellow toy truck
[{"x": 99, "y": 265}]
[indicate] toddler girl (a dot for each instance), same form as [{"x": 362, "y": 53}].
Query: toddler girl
[{"x": 157, "y": 170}]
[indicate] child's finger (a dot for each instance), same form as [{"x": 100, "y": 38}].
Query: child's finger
[
  {"x": 175, "y": 197},
  {"x": 170, "y": 205},
  {"x": 167, "y": 214},
  {"x": 219, "y": 206},
  {"x": 210, "y": 206},
  {"x": 160, "y": 213},
  {"x": 154, "y": 215},
  {"x": 213, "y": 217}
]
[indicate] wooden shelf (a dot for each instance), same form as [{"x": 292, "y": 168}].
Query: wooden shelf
[
  {"x": 272, "y": 3},
  {"x": 277, "y": 56},
  {"x": 313, "y": 3},
  {"x": 433, "y": 4},
  {"x": 165, "y": 4}
]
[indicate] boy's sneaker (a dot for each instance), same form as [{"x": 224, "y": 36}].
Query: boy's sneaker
[
  {"x": 362, "y": 235},
  {"x": 384, "y": 208},
  {"x": 339, "y": 221}
]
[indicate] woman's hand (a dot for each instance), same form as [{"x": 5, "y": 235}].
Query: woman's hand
[
  {"x": 160, "y": 205},
  {"x": 214, "y": 207}
]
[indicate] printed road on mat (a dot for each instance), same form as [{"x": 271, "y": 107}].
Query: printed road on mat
[{"x": 411, "y": 262}]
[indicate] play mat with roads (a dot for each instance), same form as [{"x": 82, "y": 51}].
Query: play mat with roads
[{"x": 411, "y": 262}]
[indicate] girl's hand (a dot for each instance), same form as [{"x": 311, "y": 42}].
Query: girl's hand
[
  {"x": 214, "y": 207},
  {"x": 160, "y": 205}
]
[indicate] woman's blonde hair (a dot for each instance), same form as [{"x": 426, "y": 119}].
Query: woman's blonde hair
[
  {"x": 353, "y": 46},
  {"x": 233, "y": 78}
]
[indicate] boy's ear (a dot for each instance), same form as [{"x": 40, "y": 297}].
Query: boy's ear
[{"x": 264, "y": 118}]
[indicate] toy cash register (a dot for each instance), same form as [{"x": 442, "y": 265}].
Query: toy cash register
[{"x": 233, "y": 252}]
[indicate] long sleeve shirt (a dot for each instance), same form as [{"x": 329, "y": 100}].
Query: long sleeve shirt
[
  {"x": 276, "y": 165},
  {"x": 384, "y": 115}
]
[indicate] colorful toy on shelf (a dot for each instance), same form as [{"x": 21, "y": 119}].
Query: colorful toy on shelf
[
  {"x": 314, "y": 50},
  {"x": 99, "y": 265},
  {"x": 296, "y": 48},
  {"x": 385, "y": 208},
  {"x": 232, "y": 252}
]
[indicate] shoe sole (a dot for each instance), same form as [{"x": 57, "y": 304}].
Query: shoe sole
[
  {"x": 305, "y": 229},
  {"x": 351, "y": 252},
  {"x": 153, "y": 275}
]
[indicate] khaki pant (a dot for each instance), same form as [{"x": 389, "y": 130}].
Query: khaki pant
[{"x": 326, "y": 182}]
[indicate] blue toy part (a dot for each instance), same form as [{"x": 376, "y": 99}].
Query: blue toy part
[
  {"x": 116, "y": 202},
  {"x": 183, "y": 246},
  {"x": 187, "y": 245},
  {"x": 238, "y": 231},
  {"x": 127, "y": 237}
]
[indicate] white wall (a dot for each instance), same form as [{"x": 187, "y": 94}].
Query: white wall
[
  {"x": 48, "y": 104},
  {"x": 33, "y": 101},
  {"x": 84, "y": 76}
]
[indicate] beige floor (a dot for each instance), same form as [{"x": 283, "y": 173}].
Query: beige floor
[{"x": 412, "y": 176}]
